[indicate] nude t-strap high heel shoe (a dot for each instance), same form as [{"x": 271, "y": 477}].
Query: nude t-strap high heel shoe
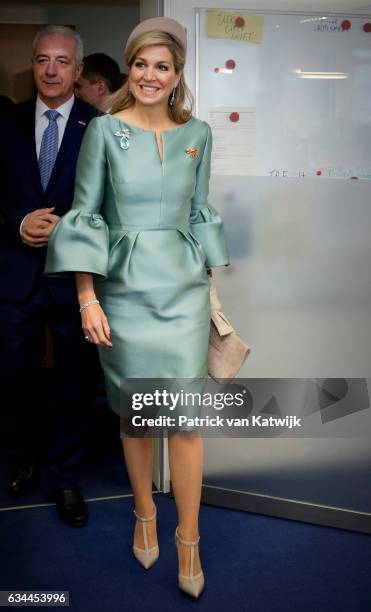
[
  {"x": 192, "y": 585},
  {"x": 147, "y": 556}
]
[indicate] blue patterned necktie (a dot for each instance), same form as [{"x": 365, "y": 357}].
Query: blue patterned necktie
[{"x": 49, "y": 147}]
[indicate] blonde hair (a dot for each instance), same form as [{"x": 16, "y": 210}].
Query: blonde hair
[{"x": 123, "y": 98}]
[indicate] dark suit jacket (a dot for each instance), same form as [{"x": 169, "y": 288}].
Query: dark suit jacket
[{"x": 21, "y": 192}]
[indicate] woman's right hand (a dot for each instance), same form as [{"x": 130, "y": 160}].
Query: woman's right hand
[{"x": 95, "y": 325}]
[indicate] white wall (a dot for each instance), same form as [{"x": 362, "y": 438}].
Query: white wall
[{"x": 103, "y": 28}]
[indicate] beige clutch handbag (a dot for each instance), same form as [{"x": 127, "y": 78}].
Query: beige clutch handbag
[{"x": 227, "y": 352}]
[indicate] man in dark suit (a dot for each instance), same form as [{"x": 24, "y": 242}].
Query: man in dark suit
[{"x": 38, "y": 153}]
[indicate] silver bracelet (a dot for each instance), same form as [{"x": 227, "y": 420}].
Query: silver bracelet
[{"x": 88, "y": 304}]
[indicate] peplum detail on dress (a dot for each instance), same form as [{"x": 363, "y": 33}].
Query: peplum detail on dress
[
  {"x": 79, "y": 243},
  {"x": 207, "y": 227}
]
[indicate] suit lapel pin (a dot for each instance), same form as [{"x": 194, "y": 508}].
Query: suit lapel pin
[
  {"x": 82, "y": 123},
  {"x": 124, "y": 136}
]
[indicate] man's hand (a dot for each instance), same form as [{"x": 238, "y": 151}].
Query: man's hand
[{"x": 37, "y": 227}]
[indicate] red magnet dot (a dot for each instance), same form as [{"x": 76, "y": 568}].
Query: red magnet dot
[
  {"x": 345, "y": 25},
  {"x": 367, "y": 27},
  {"x": 216, "y": 69},
  {"x": 239, "y": 22},
  {"x": 231, "y": 64},
  {"x": 319, "y": 172},
  {"x": 354, "y": 177},
  {"x": 234, "y": 117}
]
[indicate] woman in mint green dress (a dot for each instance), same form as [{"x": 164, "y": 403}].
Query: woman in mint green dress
[{"x": 140, "y": 237}]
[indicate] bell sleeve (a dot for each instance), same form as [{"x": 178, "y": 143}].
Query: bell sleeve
[
  {"x": 206, "y": 224},
  {"x": 80, "y": 240}
]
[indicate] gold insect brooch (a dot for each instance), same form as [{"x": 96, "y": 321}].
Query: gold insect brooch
[{"x": 192, "y": 152}]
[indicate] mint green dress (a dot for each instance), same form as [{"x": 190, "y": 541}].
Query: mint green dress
[{"x": 143, "y": 227}]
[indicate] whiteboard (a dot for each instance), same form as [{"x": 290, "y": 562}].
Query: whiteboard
[
  {"x": 298, "y": 289},
  {"x": 306, "y": 123}
]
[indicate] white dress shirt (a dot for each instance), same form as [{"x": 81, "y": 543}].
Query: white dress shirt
[{"x": 42, "y": 122}]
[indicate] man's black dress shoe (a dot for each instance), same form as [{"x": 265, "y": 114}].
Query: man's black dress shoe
[
  {"x": 71, "y": 507},
  {"x": 24, "y": 479}
]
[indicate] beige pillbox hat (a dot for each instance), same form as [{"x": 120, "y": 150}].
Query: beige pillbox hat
[{"x": 164, "y": 24}]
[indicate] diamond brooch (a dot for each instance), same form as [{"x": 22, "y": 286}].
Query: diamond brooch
[{"x": 124, "y": 136}]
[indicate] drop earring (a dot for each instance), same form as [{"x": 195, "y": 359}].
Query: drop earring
[{"x": 172, "y": 99}]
